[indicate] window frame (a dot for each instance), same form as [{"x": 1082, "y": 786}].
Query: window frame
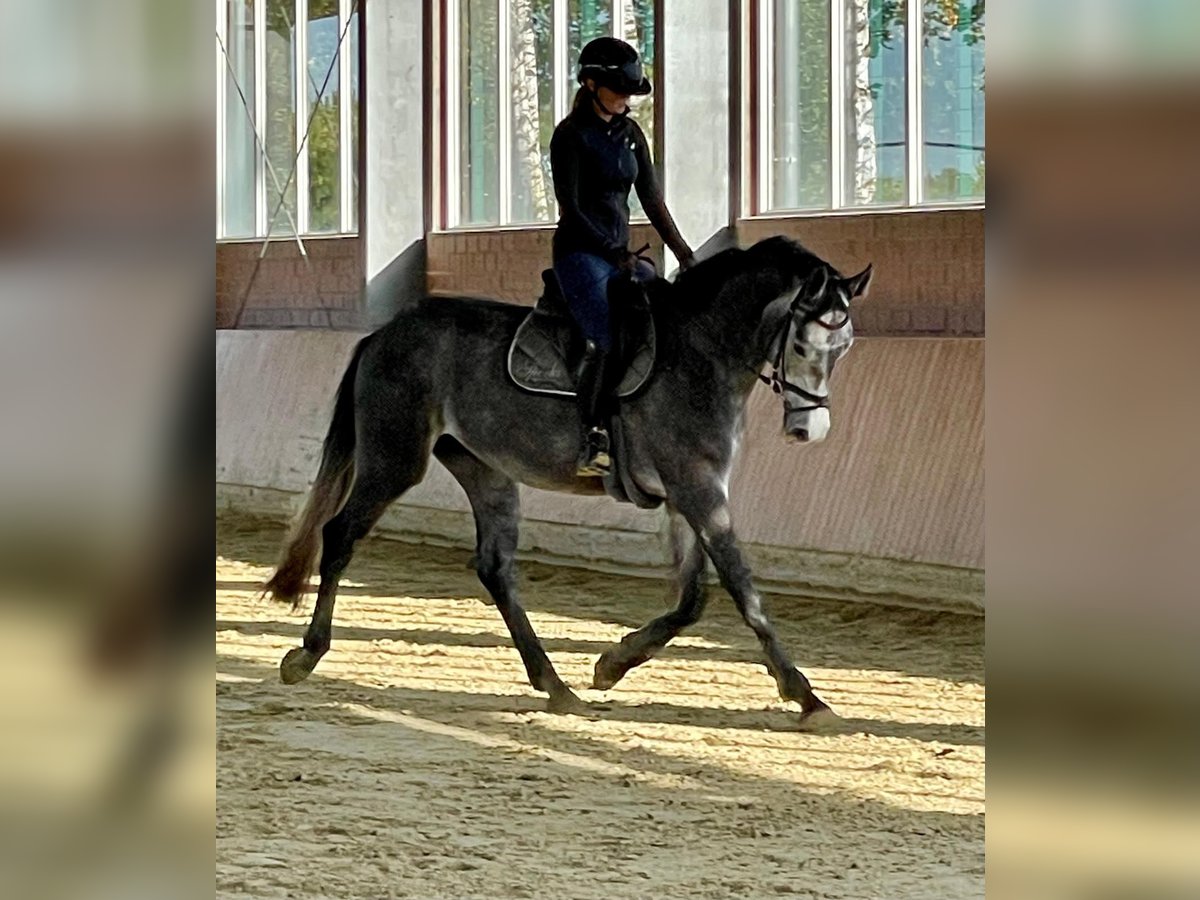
[
  {"x": 762, "y": 92},
  {"x": 450, "y": 200},
  {"x": 265, "y": 197}
]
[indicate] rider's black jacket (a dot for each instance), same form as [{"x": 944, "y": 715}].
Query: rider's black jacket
[{"x": 595, "y": 163}]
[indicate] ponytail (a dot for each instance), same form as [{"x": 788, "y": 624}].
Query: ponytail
[{"x": 583, "y": 97}]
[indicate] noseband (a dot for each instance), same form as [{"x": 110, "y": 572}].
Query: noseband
[{"x": 777, "y": 380}]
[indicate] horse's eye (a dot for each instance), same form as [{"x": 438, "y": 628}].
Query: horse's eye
[{"x": 799, "y": 348}]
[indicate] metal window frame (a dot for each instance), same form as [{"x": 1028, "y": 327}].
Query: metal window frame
[
  {"x": 737, "y": 109},
  {"x": 450, "y": 117},
  {"x": 618, "y": 10},
  {"x": 453, "y": 56},
  {"x": 261, "y": 228},
  {"x": 838, "y": 102},
  {"x": 504, "y": 111},
  {"x": 452, "y": 183},
  {"x": 914, "y": 37},
  {"x": 222, "y": 31},
  {"x": 300, "y": 104},
  {"x": 660, "y": 104},
  {"x": 346, "y": 219},
  {"x": 766, "y": 96},
  {"x": 561, "y": 76},
  {"x": 439, "y": 104},
  {"x": 359, "y": 160},
  {"x": 349, "y": 224},
  {"x": 761, "y": 68},
  {"x": 752, "y": 104}
]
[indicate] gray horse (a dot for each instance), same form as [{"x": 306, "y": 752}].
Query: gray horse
[{"x": 434, "y": 381}]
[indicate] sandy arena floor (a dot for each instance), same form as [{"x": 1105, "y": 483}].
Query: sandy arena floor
[{"x": 417, "y": 761}]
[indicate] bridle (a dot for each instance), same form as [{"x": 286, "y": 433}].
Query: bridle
[{"x": 777, "y": 380}]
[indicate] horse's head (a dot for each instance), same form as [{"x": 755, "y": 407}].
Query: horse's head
[{"x": 812, "y": 330}]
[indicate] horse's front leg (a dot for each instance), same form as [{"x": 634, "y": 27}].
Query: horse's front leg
[
  {"x": 707, "y": 510},
  {"x": 642, "y": 645}
]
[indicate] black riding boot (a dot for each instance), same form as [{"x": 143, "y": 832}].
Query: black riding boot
[{"x": 594, "y": 457}]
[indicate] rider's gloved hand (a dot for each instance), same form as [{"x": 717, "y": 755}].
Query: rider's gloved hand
[{"x": 627, "y": 262}]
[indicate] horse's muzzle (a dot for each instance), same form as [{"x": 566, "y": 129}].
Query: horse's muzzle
[{"x": 807, "y": 426}]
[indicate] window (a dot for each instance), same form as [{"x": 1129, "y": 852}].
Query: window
[
  {"x": 287, "y": 117},
  {"x": 511, "y": 79},
  {"x": 869, "y": 103}
]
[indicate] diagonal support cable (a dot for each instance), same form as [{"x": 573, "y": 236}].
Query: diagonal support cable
[
  {"x": 311, "y": 116},
  {"x": 261, "y": 144},
  {"x": 282, "y": 191}
]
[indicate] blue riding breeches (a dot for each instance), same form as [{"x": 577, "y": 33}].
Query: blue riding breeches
[{"x": 583, "y": 278}]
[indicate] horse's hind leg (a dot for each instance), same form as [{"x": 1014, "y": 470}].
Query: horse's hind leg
[
  {"x": 496, "y": 505},
  {"x": 375, "y": 488},
  {"x": 642, "y": 645}
]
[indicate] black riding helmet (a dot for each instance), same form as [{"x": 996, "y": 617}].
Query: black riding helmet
[{"x": 613, "y": 64}]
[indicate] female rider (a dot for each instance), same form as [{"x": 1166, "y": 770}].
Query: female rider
[{"x": 596, "y": 155}]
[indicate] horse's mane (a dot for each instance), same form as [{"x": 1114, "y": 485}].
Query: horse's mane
[{"x": 751, "y": 278}]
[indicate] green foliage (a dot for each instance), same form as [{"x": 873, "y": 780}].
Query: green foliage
[{"x": 324, "y": 168}]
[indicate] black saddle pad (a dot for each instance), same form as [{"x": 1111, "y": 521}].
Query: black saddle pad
[{"x": 545, "y": 351}]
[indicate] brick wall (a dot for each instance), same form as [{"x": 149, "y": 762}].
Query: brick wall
[
  {"x": 928, "y": 265},
  {"x": 289, "y": 291},
  {"x": 928, "y": 270},
  {"x": 504, "y": 263}
]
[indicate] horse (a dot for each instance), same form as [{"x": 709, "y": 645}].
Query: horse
[{"x": 433, "y": 382}]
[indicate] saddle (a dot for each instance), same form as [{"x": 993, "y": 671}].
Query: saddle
[{"x": 546, "y": 350}]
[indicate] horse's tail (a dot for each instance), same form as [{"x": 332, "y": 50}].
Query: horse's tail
[{"x": 329, "y": 491}]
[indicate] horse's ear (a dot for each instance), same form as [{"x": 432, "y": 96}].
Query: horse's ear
[{"x": 857, "y": 285}]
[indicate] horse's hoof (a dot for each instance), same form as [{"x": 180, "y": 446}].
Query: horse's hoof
[
  {"x": 604, "y": 676},
  {"x": 819, "y": 717},
  {"x": 297, "y": 665},
  {"x": 566, "y": 703}
]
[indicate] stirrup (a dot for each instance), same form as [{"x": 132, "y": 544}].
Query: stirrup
[{"x": 595, "y": 459}]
